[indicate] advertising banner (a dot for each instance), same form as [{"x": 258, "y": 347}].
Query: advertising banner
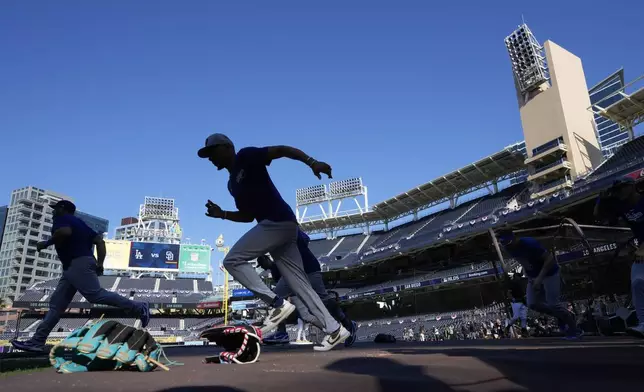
[
  {"x": 243, "y": 305},
  {"x": 194, "y": 258},
  {"x": 242, "y": 293},
  {"x": 87, "y": 305},
  {"x": 118, "y": 254},
  {"x": 209, "y": 305},
  {"x": 154, "y": 255}
]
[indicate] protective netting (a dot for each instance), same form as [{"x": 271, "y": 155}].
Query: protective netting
[{"x": 572, "y": 242}]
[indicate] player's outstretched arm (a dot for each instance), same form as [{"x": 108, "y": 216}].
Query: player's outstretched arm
[
  {"x": 59, "y": 236},
  {"x": 214, "y": 211},
  {"x": 318, "y": 167}
]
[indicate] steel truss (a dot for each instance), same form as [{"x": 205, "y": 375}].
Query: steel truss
[
  {"x": 340, "y": 222},
  {"x": 528, "y": 61},
  {"x": 330, "y": 202},
  {"x": 158, "y": 221}
]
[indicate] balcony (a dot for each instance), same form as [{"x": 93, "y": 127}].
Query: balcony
[
  {"x": 551, "y": 171},
  {"x": 551, "y": 187},
  {"x": 549, "y": 151},
  {"x": 24, "y": 208}
]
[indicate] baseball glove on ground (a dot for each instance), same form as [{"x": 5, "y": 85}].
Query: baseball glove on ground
[
  {"x": 241, "y": 343},
  {"x": 106, "y": 345}
]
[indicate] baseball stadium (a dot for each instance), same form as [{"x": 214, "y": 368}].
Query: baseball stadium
[{"x": 423, "y": 273}]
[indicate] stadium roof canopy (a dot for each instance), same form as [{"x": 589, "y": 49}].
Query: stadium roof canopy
[
  {"x": 628, "y": 111},
  {"x": 478, "y": 175}
]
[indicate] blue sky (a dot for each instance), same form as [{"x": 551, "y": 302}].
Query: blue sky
[{"x": 108, "y": 101}]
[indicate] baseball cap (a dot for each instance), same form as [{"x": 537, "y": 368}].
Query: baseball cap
[
  {"x": 64, "y": 204},
  {"x": 214, "y": 140}
]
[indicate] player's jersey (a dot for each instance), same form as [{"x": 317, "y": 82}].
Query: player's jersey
[
  {"x": 635, "y": 219},
  {"x": 79, "y": 244},
  {"x": 253, "y": 190},
  {"x": 531, "y": 255}
]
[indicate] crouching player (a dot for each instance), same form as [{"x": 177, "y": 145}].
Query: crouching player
[
  {"x": 314, "y": 272},
  {"x": 544, "y": 283}
]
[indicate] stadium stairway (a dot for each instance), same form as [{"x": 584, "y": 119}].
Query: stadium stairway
[
  {"x": 116, "y": 284},
  {"x": 335, "y": 247},
  {"x": 366, "y": 239}
]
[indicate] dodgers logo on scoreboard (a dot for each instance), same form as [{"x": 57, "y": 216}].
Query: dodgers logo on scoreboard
[{"x": 154, "y": 255}]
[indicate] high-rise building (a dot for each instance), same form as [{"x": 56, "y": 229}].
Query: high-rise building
[
  {"x": 99, "y": 225},
  {"x": 28, "y": 221},
  {"x": 611, "y": 136},
  {"x": 158, "y": 221},
  {"x": 3, "y": 218}
]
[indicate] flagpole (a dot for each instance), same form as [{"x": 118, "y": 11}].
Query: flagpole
[{"x": 224, "y": 249}]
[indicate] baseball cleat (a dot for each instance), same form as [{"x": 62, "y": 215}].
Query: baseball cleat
[
  {"x": 638, "y": 331},
  {"x": 28, "y": 346},
  {"x": 277, "y": 338},
  {"x": 352, "y": 338},
  {"x": 145, "y": 315},
  {"x": 302, "y": 342},
  {"x": 276, "y": 316},
  {"x": 333, "y": 339}
]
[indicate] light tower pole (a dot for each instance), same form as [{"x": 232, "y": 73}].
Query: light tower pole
[{"x": 219, "y": 243}]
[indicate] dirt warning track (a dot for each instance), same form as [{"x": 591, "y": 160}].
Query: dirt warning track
[{"x": 595, "y": 364}]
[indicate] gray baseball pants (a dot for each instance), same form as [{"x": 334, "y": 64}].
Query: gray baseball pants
[{"x": 280, "y": 240}]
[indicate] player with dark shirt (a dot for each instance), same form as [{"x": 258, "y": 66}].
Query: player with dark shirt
[
  {"x": 516, "y": 293},
  {"x": 314, "y": 272},
  {"x": 257, "y": 199},
  {"x": 74, "y": 242},
  {"x": 624, "y": 201},
  {"x": 543, "y": 292}
]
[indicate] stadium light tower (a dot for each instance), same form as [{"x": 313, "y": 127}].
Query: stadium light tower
[
  {"x": 560, "y": 136},
  {"x": 527, "y": 58},
  {"x": 159, "y": 218},
  {"x": 329, "y": 199}
]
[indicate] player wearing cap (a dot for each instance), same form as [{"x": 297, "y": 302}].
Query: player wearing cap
[
  {"x": 257, "y": 199},
  {"x": 543, "y": 292},
  {"x": 624, "y": 201},
  {"x": 74, "y": 241},
  {"x": 314, "y": 273}
]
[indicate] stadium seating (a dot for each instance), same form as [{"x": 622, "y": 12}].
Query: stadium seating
[
  {"x": 509, "y": 205},
  {"x": 176, "y": 285},
  {"x": 70, "y": 324},
  {"x": 322, "y": 248},
  {"x": 425, "y": 276},
  {"x": 140, "y": 289},
  {"x": 628, "y": 155}
]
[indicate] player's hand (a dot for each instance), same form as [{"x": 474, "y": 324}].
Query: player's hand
[
  {"x": 537, "y": 282},
  {"x": 321, "y": 167},
  {"x": 41, "y": 245},
  {"x": 214, "y": 211},
  {"x": 100, "y": 270}
]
